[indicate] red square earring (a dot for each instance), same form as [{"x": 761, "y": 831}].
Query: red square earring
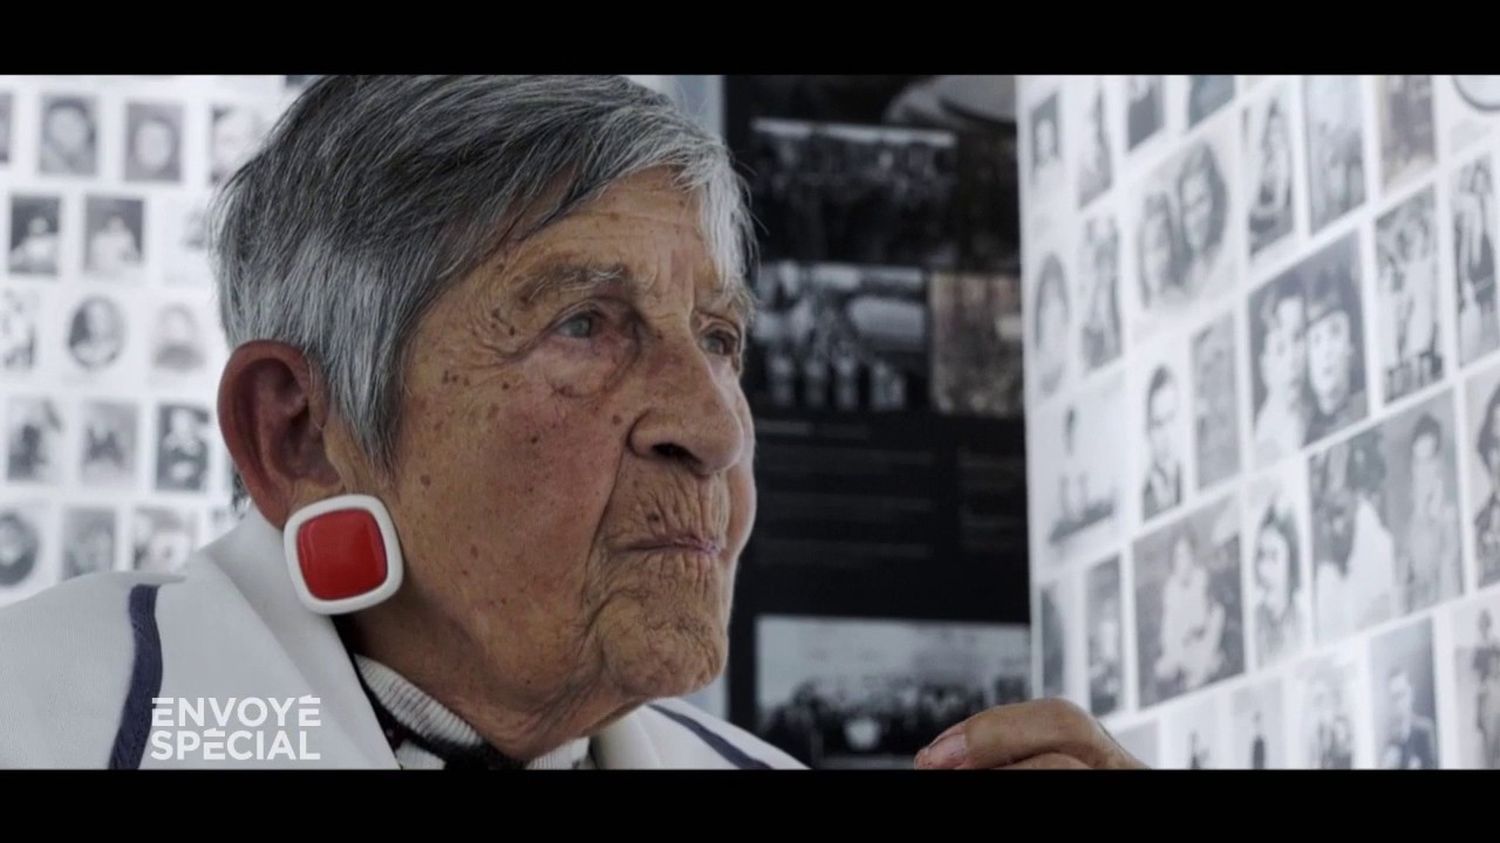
[{"x": 343, "y": 554}]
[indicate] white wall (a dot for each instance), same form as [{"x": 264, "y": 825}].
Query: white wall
[{"x": 1379, "y": 191}]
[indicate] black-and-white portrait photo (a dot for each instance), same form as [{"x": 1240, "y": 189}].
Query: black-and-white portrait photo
[
  {"x": 1143, "y": 742},
  {"x": 840, "y": 337},
  {"x": 1404, "y": 701},
  {"x": 1307, "y": 348},
  {"x": 1476, "y": 682},
  {"x": 1182, "y": 232},
  {"x": 977, "y": 366},
  {"x": 1095, "y": 156},
  {"x": 34, "y": 242},
  {"x": 161, "y": 539},
  {"x": 1334, "y": 125},
  {"x": 1216, "y": 415},
  {"x": 1206, "y": 95},
  {"x": 1422, "y": 502},
  {"x": 33, "y": 440},
  {"x": 1099, "y": 334},
  {"x": 1077, "y": 453},
  {"x": 109, "y": 444},
  {"x": 1165, "y": 413},
  {"x": 854, "y": 194},
  {"x": 153, "y": 142},
  {"x": 1473, "y": 199},
  {"x": 19, "y": 310},
  {"x": 96, "y": 333},
  {"x": 1189, "y": 632},
  {"x": 1144, "y": 111},
  {"x": 846, "y": 693},
  {"x": 1354, "y": 549},
  {"x": 88, "y": 541},
  {"x": 1408, "y": 138},
  {"x": 21, "y": 538},
  {"x": 1279, "y": 579},
  {"x": 1047, "y": 171},
  {"x": 7, "y": 119},
  {"x": 1483, "y": 458},
  {"x": 1259, "y": 728},
  {"x": 69, "y": 143},
  {"x": 1411, "y": 339},
  {"x": 1106, "y": 637},
  {"x": 1335, "y": 338},
  {"x": 1324, "y": 695},
  {"x": 235, "y": 134},
  {"x": 1269, "y": 171},
  {"x": 182, "y": 448},
  {"x": 1195, "y": 736},
  {"x": 114, "y": 233},
  {"x": 1282, "y": 395},
  {"x": 1052, "y": 322},
  {"x": 177, "y": 345}
]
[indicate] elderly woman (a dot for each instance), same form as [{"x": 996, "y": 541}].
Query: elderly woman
[{"x": 484, "y": 395}]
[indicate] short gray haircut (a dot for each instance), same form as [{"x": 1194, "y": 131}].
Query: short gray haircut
[{"x": 374, "y": 194}]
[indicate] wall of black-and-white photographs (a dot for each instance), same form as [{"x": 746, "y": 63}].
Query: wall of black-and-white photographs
[
  {"x": 1265, "y": 475},
  {"x": 110, "y": 347}
]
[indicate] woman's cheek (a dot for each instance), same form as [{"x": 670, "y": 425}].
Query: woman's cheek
[{"x": 584, "y": 368}]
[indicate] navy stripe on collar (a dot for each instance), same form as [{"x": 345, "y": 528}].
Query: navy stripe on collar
[
  {"x": 145, "y": 681},
  {"x": 716, "y": 742}
]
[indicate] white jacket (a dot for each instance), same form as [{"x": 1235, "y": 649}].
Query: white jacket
[{"x": 82, "y": 663}]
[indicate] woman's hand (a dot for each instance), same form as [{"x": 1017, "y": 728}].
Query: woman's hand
[{"x": 1037, "y": 735}]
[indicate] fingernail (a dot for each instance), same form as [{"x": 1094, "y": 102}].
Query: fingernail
[{"x": 944, "y": 753}]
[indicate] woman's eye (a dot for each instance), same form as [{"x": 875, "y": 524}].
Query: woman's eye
[
  {"x": 721, "y": 342},
  {"x": 579, "y": 327}
]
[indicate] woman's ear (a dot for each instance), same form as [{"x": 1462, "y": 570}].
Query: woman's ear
[{"x": 273, "y": 413}]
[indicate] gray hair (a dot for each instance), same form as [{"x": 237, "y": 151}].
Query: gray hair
[{"x": 374, "y": 194}]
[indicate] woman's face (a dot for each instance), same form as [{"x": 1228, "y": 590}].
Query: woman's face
[
  {"x": 68, "y": 129},
  {"x": 573, "y": 481},
  {"x": 1182, "y": 558},
  {"x": 1329, "y": 348},
  {"x": 1283, "y": 360},
  {"x": 1273, "y": 560},
  {"x": 99, "y": 320},
  {"x": 155, "y": 145}
]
